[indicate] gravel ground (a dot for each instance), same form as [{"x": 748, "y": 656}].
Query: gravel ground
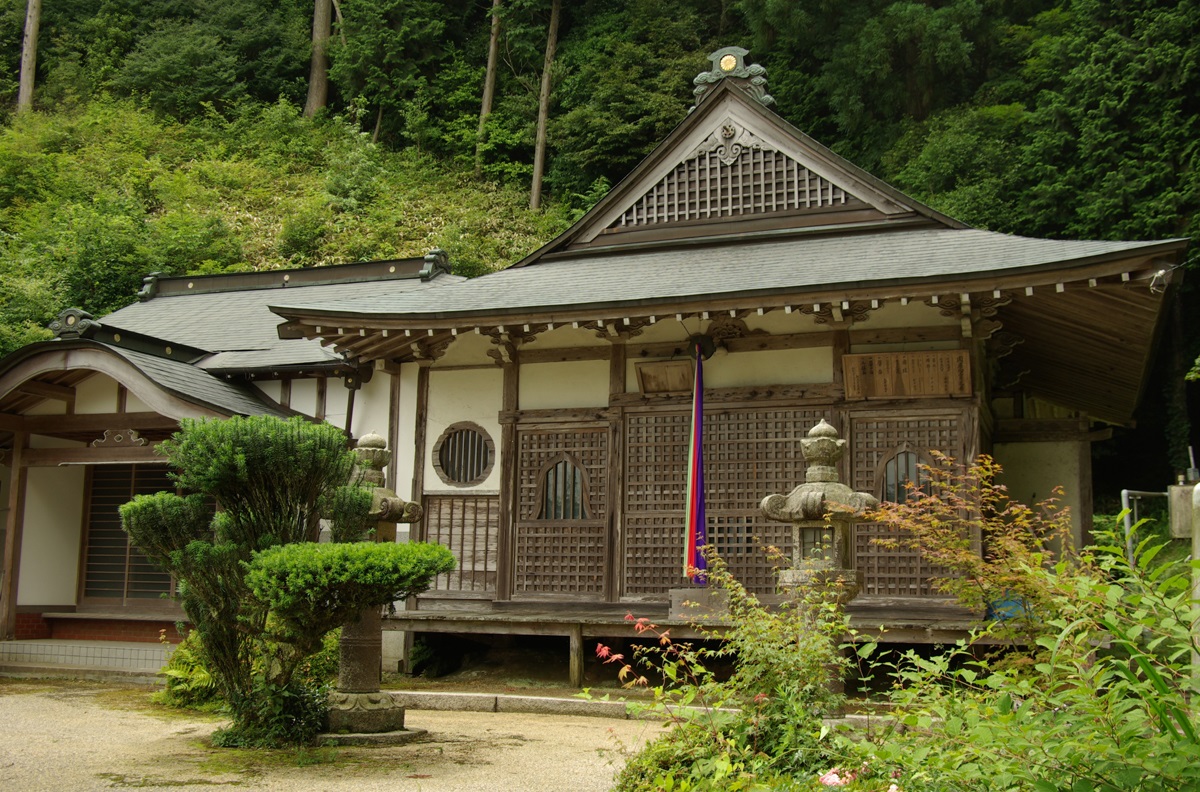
[{"x": 78, "y": 736}]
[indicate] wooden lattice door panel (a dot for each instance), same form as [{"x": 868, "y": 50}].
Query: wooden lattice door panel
[
  {"x": 469, "y": 526},
  {"x": 873, "y": 438},
  {"x": 748, "y": 453},
  {"x": 565, "y": 553}
]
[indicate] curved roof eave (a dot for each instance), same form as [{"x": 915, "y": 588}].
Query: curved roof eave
[{"x": 171, "y": 388}]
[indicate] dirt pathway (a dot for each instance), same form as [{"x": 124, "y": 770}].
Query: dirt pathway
[{"x": 76, "y": 736}]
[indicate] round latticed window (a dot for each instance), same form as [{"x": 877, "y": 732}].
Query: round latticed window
[{"x": 463, "y": 455}]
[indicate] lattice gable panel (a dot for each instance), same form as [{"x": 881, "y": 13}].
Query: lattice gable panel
[{"x": 734, "y": 173}]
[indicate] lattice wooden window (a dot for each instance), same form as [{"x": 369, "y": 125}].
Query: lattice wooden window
[
  {"x": 468, "y": 526},
  {"x": 900, "y": 470},
  {"x": 874, "y": 439},
  {"x": 114, "y": 570},
  {"x": 463, "y": 455},
  {"x": 564, "y": 492},
  {"x": 748, "y": 453},
  {"x": 757, "y": 182},
  {"x": 561, "y": 530}
]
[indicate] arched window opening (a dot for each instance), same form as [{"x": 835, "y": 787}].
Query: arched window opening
[
  {"x": 900, "y": 470},
  {"x": 563, "y": 495}
]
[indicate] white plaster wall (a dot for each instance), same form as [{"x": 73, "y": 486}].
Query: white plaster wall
[
  {"x": 337, "y": 401},
  {"x": 304, "y": 396},
  {"x": 1033, "y": 470},
  {"x": 372, "y": 405},
  {"x": 553, "y": 386},
  {"x": 474, "y": 395},
  {"x": 50, "y": 541},
  {"x": 406, "y": 431},
  {"x": 467, "y": 349},
  {"x": 96, "y": 394},
  {"x": 272, "y": 389},
  {"x": 47, "y": 407},
  {"x": 134, "y": 404}
]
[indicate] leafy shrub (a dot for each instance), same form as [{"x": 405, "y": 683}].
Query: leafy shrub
[
  {"x": 761, "y": 726},
  {"x": 313, "y": 588},
  {"x": 987, "y": 546},
  {"x": 188, "y": 682},
  {"x": 1110, "y": 705}
]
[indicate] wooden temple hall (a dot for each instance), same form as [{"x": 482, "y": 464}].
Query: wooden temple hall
[{"x": 540, "y": 414}]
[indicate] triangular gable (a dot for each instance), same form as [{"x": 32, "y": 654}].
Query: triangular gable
[{"x": 734, "y": 166}]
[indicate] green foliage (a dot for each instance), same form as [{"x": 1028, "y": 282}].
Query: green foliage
[
  {"x": 271, "y": 477},
  {"x": 188, "y": 682},
  {"x": 313, "y": 588},
  {"x": 761, "y": 726},
  {"x": 1109, "y": 706},
  {"x": 259, "y": 486},
  {"x": 988, "y": 546}
]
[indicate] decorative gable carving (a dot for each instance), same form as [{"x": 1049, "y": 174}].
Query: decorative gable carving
[{"x": 733, "y": 173}]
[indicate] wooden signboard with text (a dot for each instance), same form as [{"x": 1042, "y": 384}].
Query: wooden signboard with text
[{"x": 907, "y": 375}]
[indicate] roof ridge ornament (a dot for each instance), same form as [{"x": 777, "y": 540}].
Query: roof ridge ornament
[
  {"x": 74, "y": 323},
  {"x": 436, "y": 260},
  {"x": 730, "y": 63}
]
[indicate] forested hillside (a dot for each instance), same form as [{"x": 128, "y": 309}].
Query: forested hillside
[{"x": 175, "y": 136}]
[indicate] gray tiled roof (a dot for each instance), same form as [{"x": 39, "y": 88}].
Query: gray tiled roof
[
  {"x": 239, "y": 321},
  {"x": 792, "y": 265},
  {"x": 197, "y": 386}
]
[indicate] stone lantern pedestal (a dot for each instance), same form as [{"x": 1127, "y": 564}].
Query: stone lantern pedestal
[{"x": 822, "y": 512}]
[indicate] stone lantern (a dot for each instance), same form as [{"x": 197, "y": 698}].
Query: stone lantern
[
  {"x": 357, "y": 705},
  {"x": 822, "y": 512}
]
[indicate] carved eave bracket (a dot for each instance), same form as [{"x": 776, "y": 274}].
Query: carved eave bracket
[
  {"x": 840, "y": 313},
  {"x": 120, "y": 438},
  {"x": 975, "y": 312}
]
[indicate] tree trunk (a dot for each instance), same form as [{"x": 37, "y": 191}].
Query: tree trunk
[
  {"x": 489, "y": 87},
  {"x": 33, "y": 19},
  {"x": 539, "y": 146},
  {"x": 318, "y": 74}
]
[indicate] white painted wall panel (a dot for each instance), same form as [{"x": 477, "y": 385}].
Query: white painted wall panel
[
  {"x": 304, "y": 396},
  {"x": 50, "y": 541},
  {"x": 556, "y": 386},
  {"x": 474, "y": 395},
  {"x": 96, "y": 394}
]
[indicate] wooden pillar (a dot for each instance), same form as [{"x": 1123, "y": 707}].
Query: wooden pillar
[
  {"x": 419, "y": 433},
  {"x": 615, "y": 570},
  {"x": 506, "y": 540},
  {"x": 14, "y": 527},
  {"x": 393, "y": 430},
  {"x": 576, "y": 638}
]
